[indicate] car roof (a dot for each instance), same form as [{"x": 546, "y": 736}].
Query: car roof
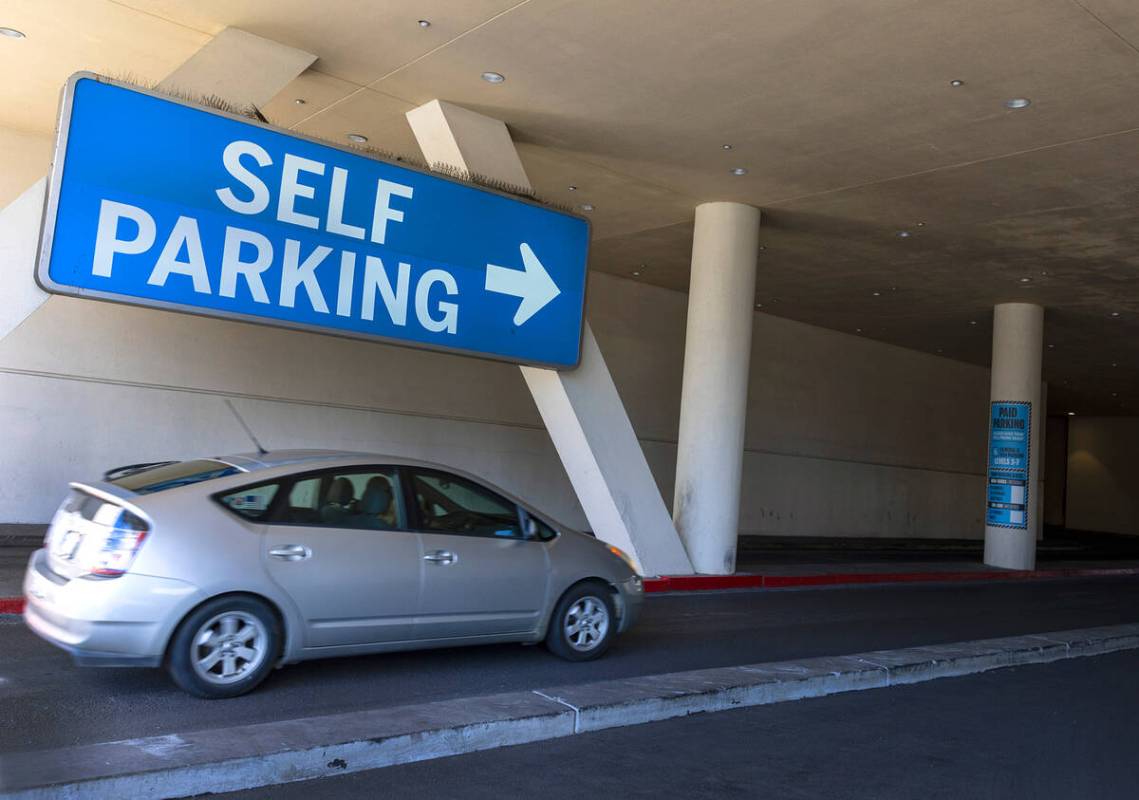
[{"x": 253, "y": 462}]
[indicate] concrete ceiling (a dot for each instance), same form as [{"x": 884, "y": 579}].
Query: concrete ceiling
[{"x": 842, "y": 113}]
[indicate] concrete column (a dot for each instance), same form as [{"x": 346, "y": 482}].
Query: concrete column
[
  {"x": 581, "y": 408},
  {"x": 713, "y": 405},
  {"x": 1018, "y": 334}
]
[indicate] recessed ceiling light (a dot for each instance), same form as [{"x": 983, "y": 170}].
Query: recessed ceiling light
[
  {"x": 572, "y": 188},
  {"x": 1071, "y": 413},
  {"x": 858, "y": 330},
  {"x": 921, "y": 224},
  {"x": 739, "y": 171},
  {"x": 636, "y": 273},
  {"x": 1025, "y": 280},
  {"x": 493, "y": 77},
  {"x": 358, "y": 138},
  {"x": 1114, "y": 364},
  {"x": 759, "y": 305},
  {"x": 300, "y": 101},
  {"x": 726, "y": 146},
  {"x": 1115, "y": 313},
  {"x": 763, "y": 247},
  {"x": 972, "y": 322},
  {"x": 1051, "y": 347},
  {"x": 957, "y": 82},
  {"x": 12, "y": 33},
  {"x": 586, "y": 206},
  {"x": 1018, "y": 102},
  {"x": 1115, "y": 394},
  {"x": 424, "y": 23},
  {"x": 877, "y": 294},
  {"x": 904, "y": 234}
]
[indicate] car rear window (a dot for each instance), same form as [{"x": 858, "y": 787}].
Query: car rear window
[{"x": 171, "y": 476}]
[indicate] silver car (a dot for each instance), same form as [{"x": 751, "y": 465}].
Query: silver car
[{"x": 220, "y": 569}]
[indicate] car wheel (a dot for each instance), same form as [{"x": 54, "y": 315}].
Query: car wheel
[
  {"x": 225, "y": 648},
  {"x": 583, "y": 624}
]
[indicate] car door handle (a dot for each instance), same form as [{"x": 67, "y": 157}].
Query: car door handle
[
  {"x": 290, "y": 552},
  {"x": 443, "y": 557}
]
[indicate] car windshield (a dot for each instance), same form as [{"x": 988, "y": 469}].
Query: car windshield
[{"x": 171, "y": 476}]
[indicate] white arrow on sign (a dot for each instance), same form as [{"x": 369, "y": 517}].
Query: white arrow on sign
[{"x": 532, "y": 283}]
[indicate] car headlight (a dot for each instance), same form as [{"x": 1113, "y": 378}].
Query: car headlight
[{"x": 621, "y": 554}]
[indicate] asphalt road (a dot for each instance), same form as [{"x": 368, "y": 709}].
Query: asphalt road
[
  {"x": 1057, "y": 731},
  {"x": 47, "y": 702}
]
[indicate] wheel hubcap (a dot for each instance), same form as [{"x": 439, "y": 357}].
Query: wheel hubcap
[
  {"x": 586, "y": 623},
  {"x": 229, "y": 647}
]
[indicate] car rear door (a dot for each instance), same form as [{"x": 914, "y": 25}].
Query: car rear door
[
  {"x": 481, "y": 575},
  {"x": 337, "y": 542}
]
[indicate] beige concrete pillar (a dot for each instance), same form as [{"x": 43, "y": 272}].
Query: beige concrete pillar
[
  {"x": 713, "y": 406},
  {"x": 1016, "y": 419},
  {"x": 581, "y": 408}
]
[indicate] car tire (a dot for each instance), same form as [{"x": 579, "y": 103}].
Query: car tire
[
  {"x": 584, "y": 623},
  {"x": 225, "y": 647}
]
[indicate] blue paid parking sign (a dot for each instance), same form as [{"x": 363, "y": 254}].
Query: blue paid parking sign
[{"x": 162, "y": 203}]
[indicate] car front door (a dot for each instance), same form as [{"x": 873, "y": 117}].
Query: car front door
[
  {"x": 481, "y": 575},
  {"x": 337, "y": 541}
]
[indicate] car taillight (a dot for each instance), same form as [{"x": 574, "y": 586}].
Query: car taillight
[{"x": 110, "y": 554}]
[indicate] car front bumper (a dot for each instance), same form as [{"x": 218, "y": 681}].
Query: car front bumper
[
  {"x": 632, "y": 597},
  {"x": 124, "y": 621}
]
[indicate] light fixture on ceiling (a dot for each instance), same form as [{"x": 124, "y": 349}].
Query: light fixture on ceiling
[
  {"x": 424, "y": 23},
  {"x": 759, "y": 305},
  {"x": 921, "y": 224},
  {"x": 586, "y": 206},
  {"x": 1115, "y": 313},
  {"x": 358, "y": 138},
  {"x": 1051, "y": 347},
  {"x": 725, "y": 147},
  {"x": 300, "y": 101},
  {"x": 904, "y": 234},
  {"x": 956, "y": 82},
  {"x": 493, "y": 77},
  {"x": 1114, "y": 364},
  {"x": 1026, "y": 280},
  {"x": 940, "y": 350},
  {"x": 1071, "y": 413},
  {"x": 877, "y": 294},
  {"x": 12, "y": 33},
  {"x": 738, "y": 171},
  {"x": 1115, "y": 394},
  {"x": 1018, "y": 102},
  {"x": 858, "y": 330},
  {"x": 572, "y": 188},
  {"x": 636, "y": 273},
  {"x": 972, "y": 322}
]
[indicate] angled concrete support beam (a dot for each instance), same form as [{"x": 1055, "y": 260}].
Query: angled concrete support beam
[
  {"x": 240, "y": 68},
  {"x": 581, "y": 408}
]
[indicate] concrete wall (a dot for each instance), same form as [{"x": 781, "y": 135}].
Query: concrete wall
[
  {"x": 26, "y": 159},
  {"x": 1103, "y": 474},
  {"x": 845, "y": 436}
]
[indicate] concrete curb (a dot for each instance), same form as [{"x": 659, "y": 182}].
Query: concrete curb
[
  {"x": 266, "y": 754},
  {"x": 706, "y": 583}
]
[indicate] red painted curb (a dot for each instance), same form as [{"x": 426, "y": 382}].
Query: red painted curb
[{"x": 705, "y": 583}]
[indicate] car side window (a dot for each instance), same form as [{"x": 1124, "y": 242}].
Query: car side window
[
  {"x": 361, "y": 498},
  {"x": 252, "y": 502},
  {"x": 450, "y": 504}
]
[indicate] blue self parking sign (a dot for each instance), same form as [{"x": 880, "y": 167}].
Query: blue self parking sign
[{"x": 157, "y": 202}]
